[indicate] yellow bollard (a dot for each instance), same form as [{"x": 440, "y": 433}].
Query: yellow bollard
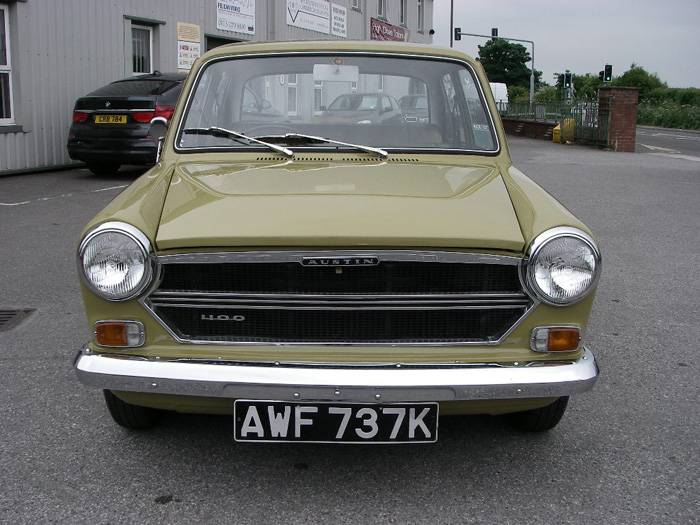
[{"x": 567, "y": 130}]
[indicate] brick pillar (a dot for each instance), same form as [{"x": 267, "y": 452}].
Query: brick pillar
[{"x": 620, "y": 104}]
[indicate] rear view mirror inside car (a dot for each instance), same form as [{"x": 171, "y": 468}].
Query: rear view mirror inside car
[{"x": 336, "y": 73}]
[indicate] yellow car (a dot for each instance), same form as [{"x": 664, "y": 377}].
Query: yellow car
[{"x": 336, "y": 282}]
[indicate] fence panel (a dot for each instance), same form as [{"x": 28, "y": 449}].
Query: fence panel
[{"x": 590, "y": 125}]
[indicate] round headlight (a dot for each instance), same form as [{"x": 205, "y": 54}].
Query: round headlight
[
  {"x": 563, "y": 266},
  {"x": 113, "y": 260}
]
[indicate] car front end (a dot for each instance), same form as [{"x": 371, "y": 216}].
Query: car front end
[{"x": 332, "y": 282}]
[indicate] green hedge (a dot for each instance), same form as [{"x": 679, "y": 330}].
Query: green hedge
[
  {"x": 684, "y": 97},
  {"x": 669, "y": 113}
]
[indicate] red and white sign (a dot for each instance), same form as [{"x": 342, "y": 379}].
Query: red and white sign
[{"x": 383, "y": 31}]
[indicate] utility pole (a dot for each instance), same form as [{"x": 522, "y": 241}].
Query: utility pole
[
  {"x": 452, "y": 22},
  {"x": 494, "y": 36}
]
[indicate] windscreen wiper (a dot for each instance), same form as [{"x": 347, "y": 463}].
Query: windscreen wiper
[
  {"x": 216, "y": 131},
  {"x": 367, "y": 149}
]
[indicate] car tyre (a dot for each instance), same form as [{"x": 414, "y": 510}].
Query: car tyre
[
  {"x": 103, "y": 169},
  {"x": 539, "y": 419},
  {"x": 130, "y": 416}
]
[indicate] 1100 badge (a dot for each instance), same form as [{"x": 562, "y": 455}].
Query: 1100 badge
[{"x": 279, "y": 421}]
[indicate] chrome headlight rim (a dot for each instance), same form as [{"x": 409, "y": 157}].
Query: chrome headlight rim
[
  {"x": 144, "y": 246},
  {"x": 534, "y": 251}
]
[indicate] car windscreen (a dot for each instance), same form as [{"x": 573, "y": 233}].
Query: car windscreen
[
  {"x": 134, "y": 88},
  {"x": 345, "y": 97}
]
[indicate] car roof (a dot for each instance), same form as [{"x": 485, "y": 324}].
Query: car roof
[{"x": 335, "y": 46}]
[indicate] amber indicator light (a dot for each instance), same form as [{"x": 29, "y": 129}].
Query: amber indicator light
[
  {"x": 563, "y": 339},
  {"x": 120, "y": 333},
  {"x": 111, "y": 334}
]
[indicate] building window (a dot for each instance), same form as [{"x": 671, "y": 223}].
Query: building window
[
  {"x": 141, "y": 49},
  {"x": 402, "y": 12},
  {"x": 292, "y": 94},
  {"x": 355, "y": 4},
  {"x": 421, "y": 15},
  {"x": 6, "y": 113},
  {"x": 318, "y": 97},
  {"x": 381, "y": 8}
]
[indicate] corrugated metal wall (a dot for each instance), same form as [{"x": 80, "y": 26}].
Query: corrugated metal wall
[{"x": 63, "y": 49}]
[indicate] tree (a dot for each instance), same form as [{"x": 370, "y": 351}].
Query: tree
[
  {"x": 506, "y": 62},
  {"x": 587, "y": 85},
  {"x": 518, "y": 95},
  {"x": 547, "y": 95},
  {"x": 636, "y": 76}
]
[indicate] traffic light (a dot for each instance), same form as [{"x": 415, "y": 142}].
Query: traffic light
[
  {"x": 494, "y": 33},
  {"x": 601, "y": 76},
  {"x": 567, "y": 80},
  {"x": 458, "y": 33},
  {"x": 607, "y": 76}
]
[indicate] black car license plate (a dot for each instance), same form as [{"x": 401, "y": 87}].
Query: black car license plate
[{"x": 281, "y": 421}]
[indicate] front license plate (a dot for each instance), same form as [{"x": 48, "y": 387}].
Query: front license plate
[
  {"x": 278, "y": 421},
  {"x": 110, "y": 119}
]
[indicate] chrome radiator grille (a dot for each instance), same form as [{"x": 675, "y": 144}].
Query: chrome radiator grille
[{"x": 339, "y": 298}]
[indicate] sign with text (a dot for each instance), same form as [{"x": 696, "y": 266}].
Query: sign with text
[
  {"x": 189, "y": 46},
  {"x": 339, "y": 21},
  {"x": 187, "y": 53},
  {"x": 236, "y": 15},
  {"x": 314, "y": 15},
  {"x": 383, "y": 31}
]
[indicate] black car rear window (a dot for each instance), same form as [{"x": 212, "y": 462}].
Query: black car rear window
[{"x": 135, "y": 88}]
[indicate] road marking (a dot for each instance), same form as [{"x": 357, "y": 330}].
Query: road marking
[
  {"x": 14, "y": 203},
  {"x": 43, "y": 199},
  {"x": 670, "y": 135},
  {"x": 675, "y": 156},
  {"x": 660, "y": 149}
]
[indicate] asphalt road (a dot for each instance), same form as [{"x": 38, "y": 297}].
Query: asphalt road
[
  {"x": 625, "y": 453},
  {"x": 674, "y": 143}
]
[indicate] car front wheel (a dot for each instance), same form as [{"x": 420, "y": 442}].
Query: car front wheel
[
  {"x": 539, "y": 419},
  {"x": 130, "y": 416}
]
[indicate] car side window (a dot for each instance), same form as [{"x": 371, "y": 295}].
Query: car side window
[
  {"x": 456, "y": 115},
  {"x": 482, "y": 130}
]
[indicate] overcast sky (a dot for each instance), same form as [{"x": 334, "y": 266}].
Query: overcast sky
[{"x": 662, "y": 36}]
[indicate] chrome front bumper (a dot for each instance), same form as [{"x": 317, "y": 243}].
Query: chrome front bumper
[{"x": 398, "y": 383}]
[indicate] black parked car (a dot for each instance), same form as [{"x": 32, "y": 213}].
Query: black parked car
[{"x": 121, "y": 122}]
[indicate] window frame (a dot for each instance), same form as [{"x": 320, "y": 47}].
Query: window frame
[
  {"x": 292, "y": 95},
  {"x": 381, "y": 9},
  {"x": 318, "y": 97},
  {"x": 6, "y": 68},
  {"x": 421, "y": 16},
  {"x": 148, "y": 29}
]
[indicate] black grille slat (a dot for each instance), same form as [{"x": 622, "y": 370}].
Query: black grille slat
[
  {"x": 341, "y": 326},
  {"x": 393, "y": 302},
  {"x": 392, "y": 277}
]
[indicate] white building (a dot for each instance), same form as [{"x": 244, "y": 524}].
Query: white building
[{"x": 54, "y": 51}]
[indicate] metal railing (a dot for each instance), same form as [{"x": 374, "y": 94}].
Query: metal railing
[{"x": 580, "y": 121}]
